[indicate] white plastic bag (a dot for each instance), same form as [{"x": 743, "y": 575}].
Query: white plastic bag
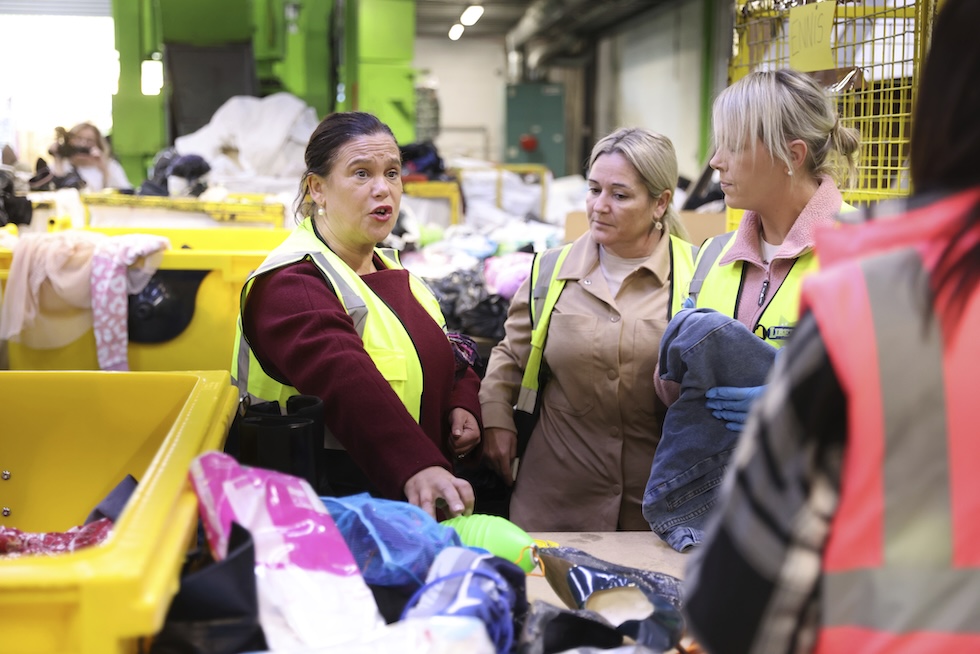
[{"x": 311, "y": 593}]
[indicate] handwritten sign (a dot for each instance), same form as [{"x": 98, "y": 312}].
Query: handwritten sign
[{"x": 811, "y": 28}]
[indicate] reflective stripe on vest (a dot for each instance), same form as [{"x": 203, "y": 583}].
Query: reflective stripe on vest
[
  {"x": 782, "y": 311},
  {"x": 891, "y": 582},
  {"x": 546, "y": 287},
  {"x": 385, "y": 338},
  {"x": 353, "y": 304},
  {"x": 719, "y": 287}
]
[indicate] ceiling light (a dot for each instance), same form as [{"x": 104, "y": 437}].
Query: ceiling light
[
  {"x": 456, "y": 31},
  {"x": 471, "y": 15}
]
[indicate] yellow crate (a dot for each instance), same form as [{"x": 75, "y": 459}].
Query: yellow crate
[
  {"x": 139, "y": 211},
  {"x": 228, "y": 256},
  {"x": 539, "y": 171},
  {"x": 878, "y": 49},
  {"x": 436, "y": 189},
  {"x": 71, "y": 439}
]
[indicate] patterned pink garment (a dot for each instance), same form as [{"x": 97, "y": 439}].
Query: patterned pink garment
[{"x": 112, "y": 282}]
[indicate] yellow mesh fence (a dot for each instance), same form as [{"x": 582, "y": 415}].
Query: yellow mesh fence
[{"x": 878, "y": 47}]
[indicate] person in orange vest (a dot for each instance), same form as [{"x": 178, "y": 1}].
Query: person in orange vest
[{"x": 850, "y": 520}]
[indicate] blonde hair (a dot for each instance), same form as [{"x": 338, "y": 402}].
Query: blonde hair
[
  {"x": 101, "y": 141},
  {"x": 653, "y": 157},
  {"x": 780, "y": 106}
]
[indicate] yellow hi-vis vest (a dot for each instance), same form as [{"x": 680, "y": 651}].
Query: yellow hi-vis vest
[
  {"x": 546, "y": 287},
  {"x": 385, "y": 338},
  {"x": 720, "y": 287}
]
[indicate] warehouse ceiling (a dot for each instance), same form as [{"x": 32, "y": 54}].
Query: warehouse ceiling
[
  {"x": 435, "y": 17},
  {"x": 547, "y": 29}
]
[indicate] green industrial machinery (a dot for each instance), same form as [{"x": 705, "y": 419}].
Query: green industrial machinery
[
  {"x": 536, "y": 125},
  {"x": 343, "y": 54},
  {"x": 377, "y": 53}
]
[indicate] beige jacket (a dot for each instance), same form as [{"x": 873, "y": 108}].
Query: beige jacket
[{"x": 589, "y": 458}]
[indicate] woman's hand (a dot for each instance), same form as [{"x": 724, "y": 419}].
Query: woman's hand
[
  {"x": 436, "y": 486},
  {"x": 501, "y": 450},
  {"x": 94, "y": 157},
  {"x": 465, "y": 432}
]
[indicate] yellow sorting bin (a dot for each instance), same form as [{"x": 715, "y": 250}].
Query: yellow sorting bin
[
  {"x": 71, "y": 438},
  {"x": 139, "y": 211},
  {"x": 218, "y": 262}
]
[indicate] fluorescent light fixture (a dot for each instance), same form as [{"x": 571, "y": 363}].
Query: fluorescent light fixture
[
  {"x": 456, "y": 31},
  {"x": 471, "y": 15},
  {"x": 151, "y": 76}
]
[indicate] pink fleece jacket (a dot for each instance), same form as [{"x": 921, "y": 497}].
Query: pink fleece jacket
[{"x": 820, "y": 211}]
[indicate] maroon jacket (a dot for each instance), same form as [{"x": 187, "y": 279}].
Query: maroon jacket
[{"x": 298, "y": 329}]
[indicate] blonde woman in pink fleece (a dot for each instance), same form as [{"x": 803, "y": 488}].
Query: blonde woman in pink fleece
[{"x": 780, "y": 149}]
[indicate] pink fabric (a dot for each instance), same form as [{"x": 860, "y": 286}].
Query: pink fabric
[
  {"x": 112, "y": 282},
  {"x": 48, "y": 296},
  {"x": 506, "y": 273}
]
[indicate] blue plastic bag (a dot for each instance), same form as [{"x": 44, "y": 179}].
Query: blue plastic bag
[{"x": 394, "y": 543}]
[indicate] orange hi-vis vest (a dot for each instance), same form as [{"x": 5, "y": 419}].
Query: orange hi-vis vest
[{"x": 901, "y": 568}]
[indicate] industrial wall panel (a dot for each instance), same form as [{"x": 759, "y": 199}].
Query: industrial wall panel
[{"x": 57, "y": 7}]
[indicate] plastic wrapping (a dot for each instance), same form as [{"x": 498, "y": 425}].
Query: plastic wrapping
[
  {"x": 394, "y": 543},
  {"x": 311, "y": 593}
]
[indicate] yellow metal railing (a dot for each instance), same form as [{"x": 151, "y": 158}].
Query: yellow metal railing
[
  {"x": 250, "y": 209},
  {"x": 438, "y": 189},
  {"x": 538, "y": 171}
]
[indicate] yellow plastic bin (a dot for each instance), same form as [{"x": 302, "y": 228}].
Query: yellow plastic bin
[
  {"x": 203, "y": 273},
  {"x": 72, "y": 437},
  {"x": 139, "y": 211}
]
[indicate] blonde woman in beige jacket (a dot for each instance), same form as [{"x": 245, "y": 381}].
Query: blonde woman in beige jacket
[{"x": 589, "y": 456}]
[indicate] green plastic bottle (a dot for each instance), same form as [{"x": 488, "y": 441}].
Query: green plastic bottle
[{"x": 497, "y": 535}]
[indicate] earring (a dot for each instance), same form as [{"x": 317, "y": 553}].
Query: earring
[
  {"x": 789, "y": 172},
  {"x": 320, "y": 211},
  {"x": 657, "y": 225}
]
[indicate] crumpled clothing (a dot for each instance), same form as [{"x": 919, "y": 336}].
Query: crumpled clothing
[
  {"x": 112, "y": 282},
  {"x": 464, "y": 351},
  {"x": 506, "y": 273},
  {"x": 14, "y": 542},
  {"x": 700, "y": 349},
  {"x": 48, "y": 296},
  {"x": 62, "y": 284}
]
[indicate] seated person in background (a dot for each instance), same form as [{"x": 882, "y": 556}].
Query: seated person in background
[{"x": 84, "y": 150}]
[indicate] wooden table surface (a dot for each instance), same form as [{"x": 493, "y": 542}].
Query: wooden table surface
[{"x": 636, "y": 549}]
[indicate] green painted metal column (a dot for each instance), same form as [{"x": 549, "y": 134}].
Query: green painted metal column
[
  {"x": 707, "y": 81},
  {"x": 307, "y": 60},
  {"x": 138, "y": 121},
  {"x": 378, "y": 74}
]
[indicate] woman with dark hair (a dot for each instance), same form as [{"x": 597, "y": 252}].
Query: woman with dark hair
[
  {"x": 331, "y": 315},
  {"x": 852, "y": 512}
]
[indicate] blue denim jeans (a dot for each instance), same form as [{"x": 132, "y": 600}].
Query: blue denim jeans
[{"x": 700, "y": 349}]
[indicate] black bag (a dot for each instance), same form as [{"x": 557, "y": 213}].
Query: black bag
[
  {"x": 524, "y": 421},
  {"x": 260, "y": 436},
  {"x": 216, "y": 610},
  {"x": 486, "y": 318}
]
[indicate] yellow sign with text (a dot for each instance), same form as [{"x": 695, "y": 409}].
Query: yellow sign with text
[{"x": 811, "y": 28}]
